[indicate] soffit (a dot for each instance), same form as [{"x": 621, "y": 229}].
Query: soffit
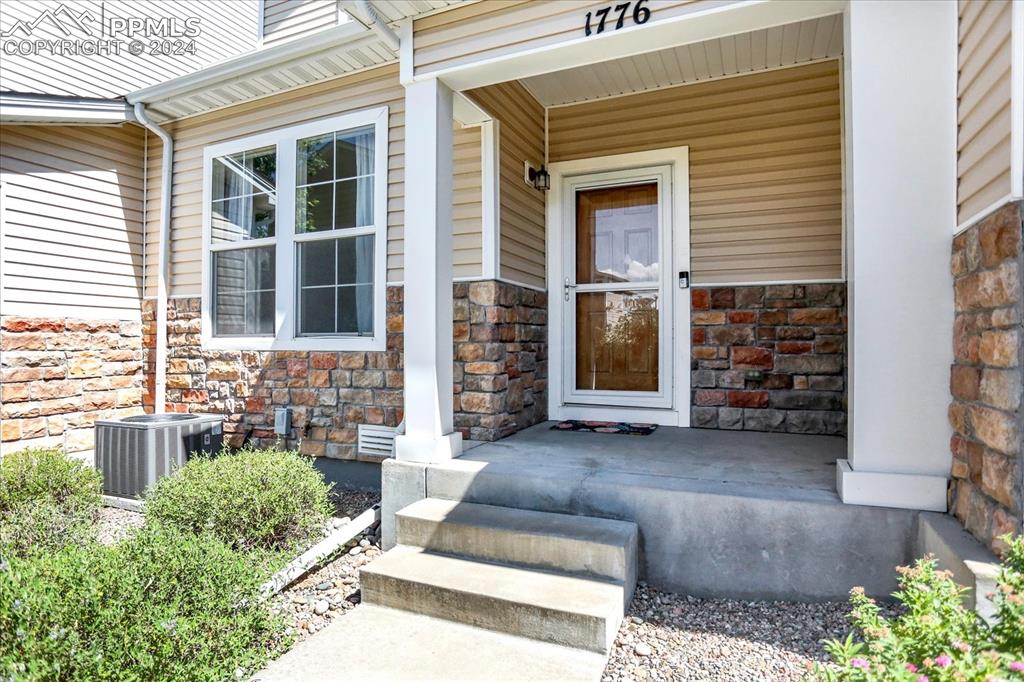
[{"x": 769, "y": 48}]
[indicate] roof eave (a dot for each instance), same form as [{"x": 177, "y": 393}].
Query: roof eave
[
  {"x": 36, "y": 109},
  {"x": 247, "y": 63}
]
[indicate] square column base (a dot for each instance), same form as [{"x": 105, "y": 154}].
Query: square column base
[
  {"x": 888, "y": 489},
  {"x": 401, "y": 484},
  {"x": 409, "y": 448}
]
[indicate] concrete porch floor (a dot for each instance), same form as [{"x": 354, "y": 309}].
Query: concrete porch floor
[
  {"x": 721, "y": 513},
  {"x": 742, "y": 458}
]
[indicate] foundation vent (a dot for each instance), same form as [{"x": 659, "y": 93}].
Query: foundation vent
[{"x": 376, "y": 440}]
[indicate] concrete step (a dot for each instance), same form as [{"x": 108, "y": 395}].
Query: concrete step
[
  {"x": 581, "y": 545},
  {"x": 376, "y": 644},
  {"x": 562, "y": 609}
]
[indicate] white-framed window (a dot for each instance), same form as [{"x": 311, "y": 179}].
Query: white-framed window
[{"x": 295, "y": 237}]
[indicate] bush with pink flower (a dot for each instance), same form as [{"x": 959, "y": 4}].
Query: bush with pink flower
[{"x": 932, "y": 637}]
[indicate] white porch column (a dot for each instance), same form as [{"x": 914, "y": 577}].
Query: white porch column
[
  {"x": 900, "y": 118},
  {"x": 429, "y": 435}
]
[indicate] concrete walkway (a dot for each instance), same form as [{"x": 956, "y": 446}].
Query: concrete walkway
[{"x": 377, "y": 643}]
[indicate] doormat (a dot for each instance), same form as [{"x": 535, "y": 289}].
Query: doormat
[{"x": 624, "y": 428}]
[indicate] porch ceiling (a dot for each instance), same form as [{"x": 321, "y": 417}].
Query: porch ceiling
[
  {"x": 395, "y": 10},
  {"x": 785, "y": 45}
]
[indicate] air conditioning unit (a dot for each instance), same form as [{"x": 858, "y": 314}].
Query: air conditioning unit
[{"x": 133, "y": 452}]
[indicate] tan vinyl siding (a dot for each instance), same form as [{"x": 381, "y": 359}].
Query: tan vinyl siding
[
  {"x": 983, "y": 88},
  {"x": 467, "y": 207},
  {"x": 72, "y": 220},
  {"x": 227, "y": 29},
  {"x": 494, "y": 28},
  {"x": 369, "y": 89},
  {"x": 520, "y": 138},
  {"x": 288, "y": 19},
  {"x": 765, "y": 166}
]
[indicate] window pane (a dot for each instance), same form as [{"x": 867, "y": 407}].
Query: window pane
[
  {"x": 313, "y": 208},
  {"x": 316, "y": 159},
  {"x": 225, "y": 182},
  {"x": 617, "y": 341},
  {"x": 316, "y": 308},
  {"x": 244, "y": 195},
  {"x": 247, "y": 172},
  {"x": 263, "y": 217},
  {"x": 336, "y": 272},
  {"x": 229, "y": 296},
  {"x": 262, "y": 163},
  {"x": 243, "y": 291},
  {"x": 355, "y": 309},
  {"x": 251, "y": 217},
  {"x": 353, "y": 203},
  {"x": 259, "y": 312},
  {"x": 355, "y": 260},
  {"x": 316, "y": 263},
  {"x": 354, "y": 154},
  {"x": 617, "y": 234},
  {"x": 230, "y": 316},
  {"x": 259, "y": 269}
]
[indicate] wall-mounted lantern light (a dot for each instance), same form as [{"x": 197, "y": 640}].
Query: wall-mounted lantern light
[{"x": 539, "y": 178}]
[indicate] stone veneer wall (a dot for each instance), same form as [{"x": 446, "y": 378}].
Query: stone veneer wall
[
  {"x": 59, "y": 375},
  {"x": 769, "y": 358},
  {"x": 985, "y": 379},
  {"x": 500, "y": 374}
]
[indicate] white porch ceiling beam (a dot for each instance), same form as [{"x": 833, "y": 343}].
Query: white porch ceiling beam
[{"x": 715, "y": 22}]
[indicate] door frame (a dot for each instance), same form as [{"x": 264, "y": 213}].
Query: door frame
[{"x": 678, "y": 341}]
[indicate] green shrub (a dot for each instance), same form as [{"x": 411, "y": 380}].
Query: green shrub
[
  {"x": 250, "y": 499},
  {"x": 934, "y": 638},
  {"x": 162, "y": 605},
  {"x": 47, "y": 500}
]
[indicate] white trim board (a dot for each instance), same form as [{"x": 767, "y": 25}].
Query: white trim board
[{"x": 679, "y": 338}]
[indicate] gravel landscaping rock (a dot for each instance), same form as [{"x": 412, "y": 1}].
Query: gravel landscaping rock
[
  {"x": 311, "y": 603},
  {"x": 114, "y": 525},
  {"x": 674, "y": 637}
]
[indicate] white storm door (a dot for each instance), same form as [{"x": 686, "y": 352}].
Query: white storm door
[{"x": 617, "y": 301}]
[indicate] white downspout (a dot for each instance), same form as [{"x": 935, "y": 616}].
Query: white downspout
[{"x": 163, "y": 257}]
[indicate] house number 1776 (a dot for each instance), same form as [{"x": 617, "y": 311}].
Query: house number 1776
[{"x": 597, "y": 20}]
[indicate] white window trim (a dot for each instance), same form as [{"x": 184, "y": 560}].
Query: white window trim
[{"x": 285, "y": 239}]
